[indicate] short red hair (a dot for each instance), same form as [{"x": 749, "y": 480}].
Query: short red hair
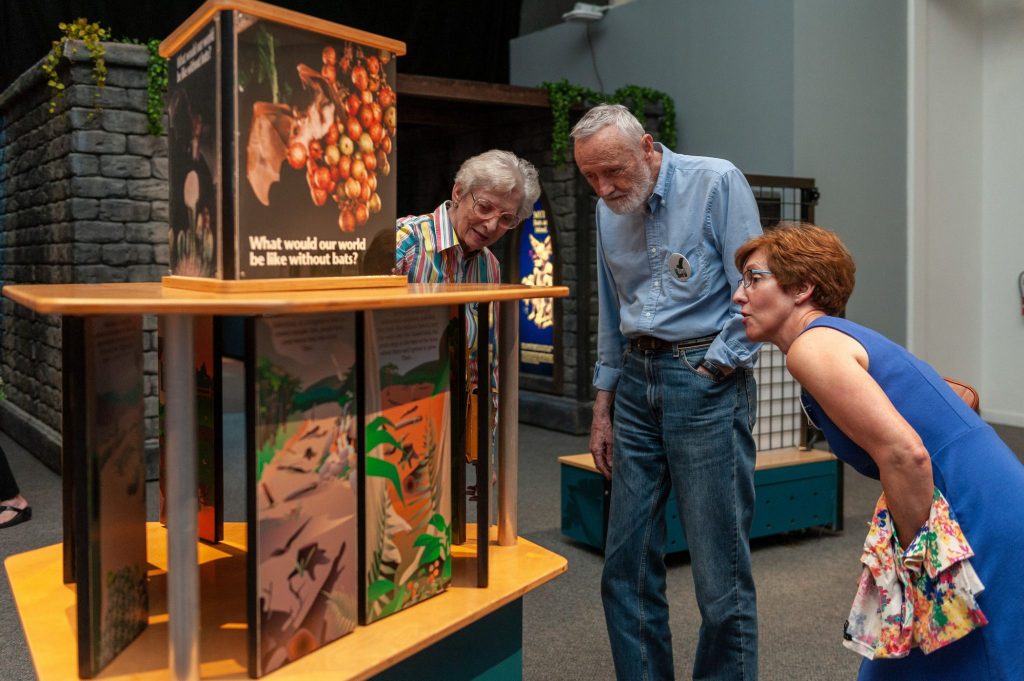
[{"x": 802, "y": 253}]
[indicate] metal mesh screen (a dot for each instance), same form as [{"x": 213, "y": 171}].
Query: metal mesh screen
[
  {"x": 779, "y": 417},
  {"x": 780, "y": 420}
]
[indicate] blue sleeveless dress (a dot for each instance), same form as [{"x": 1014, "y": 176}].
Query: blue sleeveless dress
[{"x": 984, "y": 483}]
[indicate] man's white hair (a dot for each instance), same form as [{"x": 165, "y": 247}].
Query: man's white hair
[
  {"x": 604, "y": 115},
  {"x": 501, "y": 172}
]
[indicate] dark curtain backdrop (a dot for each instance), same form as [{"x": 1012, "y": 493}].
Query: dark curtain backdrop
[{"x": 446, "y": 38}]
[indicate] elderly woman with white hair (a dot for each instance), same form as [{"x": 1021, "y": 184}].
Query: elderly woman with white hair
[{"x": 493, "y": 192}]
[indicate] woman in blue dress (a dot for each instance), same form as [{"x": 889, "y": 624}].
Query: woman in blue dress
[{"x": 892, "y": 417}]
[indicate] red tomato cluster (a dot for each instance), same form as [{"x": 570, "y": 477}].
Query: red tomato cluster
[{"x": 344, "y": 163}]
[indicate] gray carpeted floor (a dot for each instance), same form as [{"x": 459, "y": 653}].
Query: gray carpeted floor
[{"x": 805, "y": 580}]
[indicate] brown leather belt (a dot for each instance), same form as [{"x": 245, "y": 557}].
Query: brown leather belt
[{"x": 652, "y": 343}]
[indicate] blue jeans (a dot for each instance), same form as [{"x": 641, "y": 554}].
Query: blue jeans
[{"x": 678, "y": 429}]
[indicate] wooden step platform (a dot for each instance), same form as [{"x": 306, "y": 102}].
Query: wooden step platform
[{"x": 794, "y": 489}]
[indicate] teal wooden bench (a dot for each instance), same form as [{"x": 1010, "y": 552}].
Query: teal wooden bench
[{"x": 794, "y": 490}]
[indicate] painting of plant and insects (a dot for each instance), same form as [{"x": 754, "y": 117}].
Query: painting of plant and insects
[
  {"x": 115, "y": 597},
  {"x": 408, "y": 449},
  {"x": 303, "y": 543}
]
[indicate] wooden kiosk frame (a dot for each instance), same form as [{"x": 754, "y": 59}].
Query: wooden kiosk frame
[{"x": 51, "y": 638}]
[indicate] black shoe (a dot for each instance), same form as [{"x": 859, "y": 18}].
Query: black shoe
[{"x": 20, "y": 515}]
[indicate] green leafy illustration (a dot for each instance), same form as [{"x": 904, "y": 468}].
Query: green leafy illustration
[{"x": 380, "y": 468}]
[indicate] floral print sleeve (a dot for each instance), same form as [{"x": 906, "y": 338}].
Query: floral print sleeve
[{"x": 921, "y": 597}]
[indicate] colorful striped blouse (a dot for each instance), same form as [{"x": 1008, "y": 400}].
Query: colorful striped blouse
[{"x": 427, "y": 251}]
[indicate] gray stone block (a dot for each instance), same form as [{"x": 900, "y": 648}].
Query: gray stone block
[
  {"x": 98, "y": 274},
  {"x": 84, "y": 209},
  {"x": 98, "y": 142},
  {"x": 150, "y": 272},
  {"x": 124, "y": 210},
  {"x": 136, "y": 100},
  {"x": 162, "y": 254},
  {"x": 160, "y": 168},
  {"x": 128, "y": 78},
  {"x": 147, "y": 145},
  {"x": 84, "y": 164},
  {"x": 116, "y": 165},
  {"x": 129, "y": 122},
  {"x": 147, "y": 233},
  {"x": 126, "y": 254},
  {"x": 91, "y": 97},
  {"x": 81, "y": 118},
  {"x": 148, "y": 189},
  {"x": 98, "y": 187},
  {"x": 87, "y": 254},
  {"x": 99, "y": 232},
  {"x": 160, "y": 211}
]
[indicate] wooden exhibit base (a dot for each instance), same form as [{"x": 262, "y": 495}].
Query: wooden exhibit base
[
  {"x": 47, "y": 609},
  {"x": 211, "y": 285},
  {"x": 794, "y": 489}
]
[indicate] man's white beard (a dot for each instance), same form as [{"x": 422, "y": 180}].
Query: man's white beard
[{"x": 636, "y": 199}]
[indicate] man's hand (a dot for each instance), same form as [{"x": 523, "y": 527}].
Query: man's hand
[{"x": 601, "y": 433}]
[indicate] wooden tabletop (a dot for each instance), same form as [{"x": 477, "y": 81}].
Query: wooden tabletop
[
  {"x": 154, "y": 298},
  {"x": 768, "y": 458},
  {"x": 47, "y": 610}
]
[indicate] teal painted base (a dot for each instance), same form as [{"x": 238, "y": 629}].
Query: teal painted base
[
  {"x": 490, "y": 649},
  {"x": 787, "y": 498}
]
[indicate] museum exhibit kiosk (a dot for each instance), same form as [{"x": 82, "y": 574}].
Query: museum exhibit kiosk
[{"x": 354, "y": 560}]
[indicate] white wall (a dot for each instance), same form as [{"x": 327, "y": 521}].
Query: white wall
[
  {"x": 1002, "y": 251},
  {"x": 727, "y": 64},
  {"x": 966, "y": 165},
  {"x": 849, "y": 133}
]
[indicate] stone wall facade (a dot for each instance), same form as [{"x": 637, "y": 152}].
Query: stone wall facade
[{"x": 83, "y": 199}]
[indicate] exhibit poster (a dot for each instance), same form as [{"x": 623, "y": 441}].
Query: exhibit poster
[
  {"x": 407, "y": 481},
  {"x": 194, "y": 169},
  {"x": 536, "y": 315},
  {"x": 303, "y": 527},
  {"x": 112, "y": 596},
  {"x": 209, "y": 448},
  {"x": 317, "y": 119}
]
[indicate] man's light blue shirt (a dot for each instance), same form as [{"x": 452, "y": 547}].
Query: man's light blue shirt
[{"x": 703, "y": 209}]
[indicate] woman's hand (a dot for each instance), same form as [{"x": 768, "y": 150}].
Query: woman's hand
[{"x": 833, "y": 367}]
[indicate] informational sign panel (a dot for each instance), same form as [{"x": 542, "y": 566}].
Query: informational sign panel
[
  {"x": 303, "y": 530},
  {"x": 110, "y": 500},
  {"x": 536, "y": 315},
  {"x": 407, "y": 500},
  {"x": 281, "y": 147}
]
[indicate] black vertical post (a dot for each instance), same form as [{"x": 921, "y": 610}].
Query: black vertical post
[
  {"x": 72, "y": 428},
  {"x": 483, "y": 442},
  {"x": 458, "y": 434},
  {"x": 361, "y": 454}
]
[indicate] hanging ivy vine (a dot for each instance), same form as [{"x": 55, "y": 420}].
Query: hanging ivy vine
[
  {"x": 156, "y": 87},
  {"x": 93, "y": 36},
  {"x": 563, "y": 96}
]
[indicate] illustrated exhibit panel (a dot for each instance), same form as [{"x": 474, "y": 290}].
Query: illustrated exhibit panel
[
  {"x": 317, "y": 116},
  {"x": 407, "y": 488},
  {"x": 110, "y": 503},
  {"x": 303, "y": 528},
  {"x": 309, "y": 188},
  {"x": 194, "y": 160},
  {"x": 210, "y": 463}
]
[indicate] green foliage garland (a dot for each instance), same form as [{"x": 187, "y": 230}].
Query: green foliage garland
[
  {"x": 156, "y": 88},
  {"x": 563, "y": 96},
  {"x": 93, "y": 35}
]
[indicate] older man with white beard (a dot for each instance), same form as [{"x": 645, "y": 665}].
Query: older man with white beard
[{"x": 673, "y": 371}]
